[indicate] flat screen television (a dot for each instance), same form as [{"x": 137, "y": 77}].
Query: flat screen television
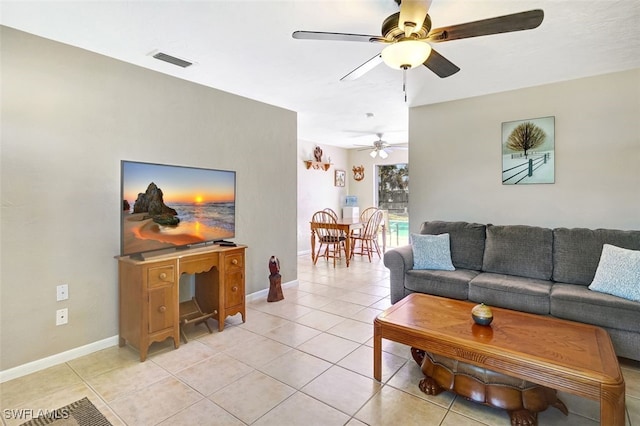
[{"x": 167, "y": 206}]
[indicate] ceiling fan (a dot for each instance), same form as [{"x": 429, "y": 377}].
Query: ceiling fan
[
  {"x": 408, "y": 36},
  {"x": 381, "y": 147}
]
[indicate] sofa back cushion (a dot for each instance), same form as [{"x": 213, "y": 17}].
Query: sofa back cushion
[
  {"x": 467, "y": 241},
  {"x": 525, "y": 251},
  {"x": 576, "y": 251}
]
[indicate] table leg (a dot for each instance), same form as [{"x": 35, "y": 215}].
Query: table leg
[
  {"x": 612, "y": 402},
  {"x": 377, "y": 352},
  {"x": 347, "y": 247},
  {"x": 384, "y": 238},
  {"x": 313, "y": 245}
]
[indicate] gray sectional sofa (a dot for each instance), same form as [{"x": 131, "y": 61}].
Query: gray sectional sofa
[{"x": 526, "y": 268}]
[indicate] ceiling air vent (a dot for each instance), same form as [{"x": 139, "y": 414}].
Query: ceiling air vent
[{"x": 172, "y": 60}]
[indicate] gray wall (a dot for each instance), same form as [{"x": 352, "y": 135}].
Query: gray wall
[
  {"x": 455, "y": 157},
  {"x": 68, "y": 117}
]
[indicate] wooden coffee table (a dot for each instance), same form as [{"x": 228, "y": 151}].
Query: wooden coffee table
[{"x": 568, "y": 356}]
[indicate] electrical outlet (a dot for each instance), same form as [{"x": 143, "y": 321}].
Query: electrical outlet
[
  {"x": 62, "y": 292},
  {"x": 62, "y": 316}
]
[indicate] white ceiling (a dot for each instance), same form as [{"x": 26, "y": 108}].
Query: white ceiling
[{"x": 246, "y": 48}]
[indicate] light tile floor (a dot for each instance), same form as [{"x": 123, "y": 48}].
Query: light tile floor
[{"x": 305, "y": 360}]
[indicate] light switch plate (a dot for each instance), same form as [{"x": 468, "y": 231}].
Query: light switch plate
[
  {"x": 62, "y": 292},
  {"x": 62, "y": 316}
]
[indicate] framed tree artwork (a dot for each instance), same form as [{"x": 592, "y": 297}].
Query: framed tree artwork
[
  {"x": 340, "y": 176},
  {"x": 528, "y": 151}
]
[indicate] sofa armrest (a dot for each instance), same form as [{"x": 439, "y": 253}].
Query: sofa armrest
[{"x": 399, "y": 261}]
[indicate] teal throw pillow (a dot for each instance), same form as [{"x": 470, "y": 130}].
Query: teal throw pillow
[
  {"x": 618, "y": 273},
  {"x": 431, "y": 252}
]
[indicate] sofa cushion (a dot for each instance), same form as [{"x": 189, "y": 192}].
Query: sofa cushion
[
  {"x": 507, "y": 291},
  {"x": 524, "y": 251},
  {"x": 466, "y": 240},
  {"x": 452, "y": 284},
  {"x": 578, "y": 303},
  {"x": 431, "y": 252},
  {"x": 618, "y": 273},
  {"x": 576, "y": 251}
]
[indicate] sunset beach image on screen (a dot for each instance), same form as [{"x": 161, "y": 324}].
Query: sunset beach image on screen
[{"x": 166, "y": 206}]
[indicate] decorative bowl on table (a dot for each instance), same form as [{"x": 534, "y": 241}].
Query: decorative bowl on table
[{"x": 482, "y": 314}]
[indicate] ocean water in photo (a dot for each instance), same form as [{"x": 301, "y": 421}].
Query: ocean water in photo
[{"x": 213, "y": 215}]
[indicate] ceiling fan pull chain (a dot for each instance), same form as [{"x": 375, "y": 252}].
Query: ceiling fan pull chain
[{"x": 404, "y": 83}]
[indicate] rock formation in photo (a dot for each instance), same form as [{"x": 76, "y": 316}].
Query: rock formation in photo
[{"x": 152, "y": 203}]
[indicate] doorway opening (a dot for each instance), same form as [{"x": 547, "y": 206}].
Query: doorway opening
[{"x": 392, "y": 181}]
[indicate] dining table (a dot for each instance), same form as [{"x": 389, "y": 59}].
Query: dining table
[{"x": 346, "y": 225}]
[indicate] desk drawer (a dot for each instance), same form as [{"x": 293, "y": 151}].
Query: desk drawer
[
  {"x": 234, "y": 261},
  {"x": 161, "y": 276}
]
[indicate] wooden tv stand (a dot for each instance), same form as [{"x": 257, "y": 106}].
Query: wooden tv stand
[{"x": 149, "y": 302}]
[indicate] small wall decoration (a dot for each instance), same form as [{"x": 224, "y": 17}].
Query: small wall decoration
[
  {"x": 358, "y": 173},
  {"x": 528, "y": 148},
  {"x": 317, "y": 154},
  {"x": 340, "y": 177}
]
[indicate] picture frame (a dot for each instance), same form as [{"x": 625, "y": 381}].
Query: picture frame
[
  {"x": 528, "y": 151},
  {"x": 339, "y": 177}
]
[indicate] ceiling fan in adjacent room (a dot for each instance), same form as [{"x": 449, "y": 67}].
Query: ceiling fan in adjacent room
[
  {"x": 381, "y": 148},
  {"x": 408, "y": 36}
]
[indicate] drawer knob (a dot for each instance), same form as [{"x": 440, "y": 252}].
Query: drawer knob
[
  {"x": 234, "y": 261},
  {"x": 234, "y": 288},
  {"x": 163, "y": 275},
  {"x": 162, "y": 309}
]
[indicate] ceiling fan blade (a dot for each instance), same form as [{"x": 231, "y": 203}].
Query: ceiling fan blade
[
  {"x": 364, "y": 68},
  {"x": 391, "y": 146},
  {"x": 440, "y": 65},
  {"x": 412, "y": 15},
  {"x": 320, "y": 35},
  {"x": 501, "y": 24}
]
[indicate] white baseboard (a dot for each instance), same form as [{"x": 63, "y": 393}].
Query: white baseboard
[
  {"x": 71, "y": 354},
  {"x": 50, "y": 361}
]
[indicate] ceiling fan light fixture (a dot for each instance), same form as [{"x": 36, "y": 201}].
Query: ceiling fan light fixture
[
  {"x": 383, "y": 154},
  {"x": 373, "y": 153},
  {"x": 406, "y": 53}
]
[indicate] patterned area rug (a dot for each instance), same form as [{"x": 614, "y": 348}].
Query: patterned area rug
[{"x": 79, "y": 413}]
